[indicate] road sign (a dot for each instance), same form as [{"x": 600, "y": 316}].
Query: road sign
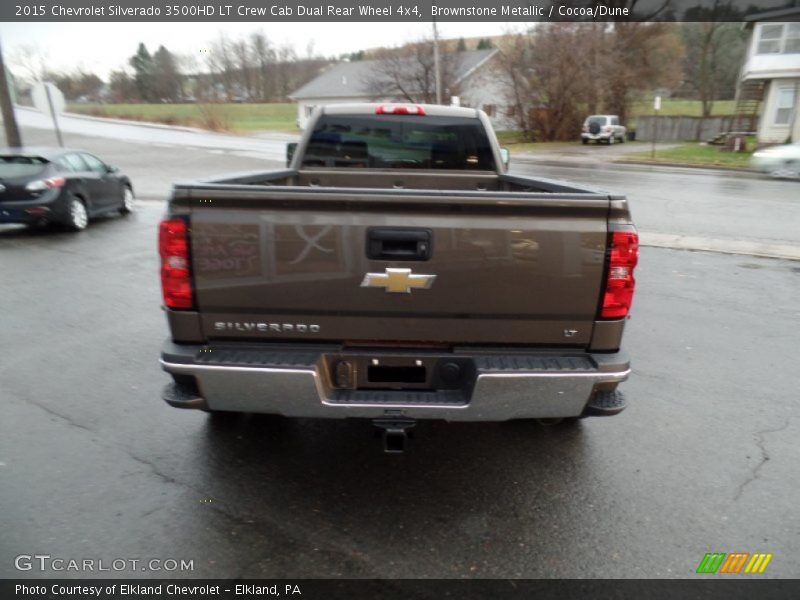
[
  {"x": 48, "y": 98},
  {"x": 39, "y": 93}
]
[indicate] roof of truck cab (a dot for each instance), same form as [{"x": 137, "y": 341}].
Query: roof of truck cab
[{"x": 436, "y": 110}]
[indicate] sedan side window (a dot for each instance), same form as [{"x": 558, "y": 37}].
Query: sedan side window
[
  {"x": 614, "y": 121},
  {"x": 62, "y": 165},
  {"x": 75, "y": 162},
  {"x": 95, "y": 164}
]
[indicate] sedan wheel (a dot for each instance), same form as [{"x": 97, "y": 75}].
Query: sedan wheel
[
  {"x": 78, "y": 217},
  {"x": 128, "y": 201}
]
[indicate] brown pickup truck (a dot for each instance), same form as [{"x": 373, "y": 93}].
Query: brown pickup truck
[{"x": 396, "y": 271}]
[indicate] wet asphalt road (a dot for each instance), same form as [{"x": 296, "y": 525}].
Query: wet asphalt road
[{"x": 94, "y": 465}]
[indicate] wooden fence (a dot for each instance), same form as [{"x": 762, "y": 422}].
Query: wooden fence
[{"x": 678, "y": 129}]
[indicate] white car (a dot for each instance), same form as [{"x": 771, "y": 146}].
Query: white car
[
  {"x": 603, "y": 128},
  {"x": 778, "y": 161}
]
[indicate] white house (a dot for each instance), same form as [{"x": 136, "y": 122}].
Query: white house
[
  {"x": 476, "y": 79},
  {"x": 771, "y": 73}
]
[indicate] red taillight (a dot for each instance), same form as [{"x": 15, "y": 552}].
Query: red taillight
[
  {"x": 173, "y": 246},
  {"x": 400, "y": 109},
  {"x": 44, "y": 184},
  {"x": 620, "y": 283}
]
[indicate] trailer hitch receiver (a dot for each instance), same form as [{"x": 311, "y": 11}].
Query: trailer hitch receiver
[{"x": 395, "y": 433}]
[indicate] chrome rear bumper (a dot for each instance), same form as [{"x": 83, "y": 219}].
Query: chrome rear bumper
[{"x": 297, "y": 383}]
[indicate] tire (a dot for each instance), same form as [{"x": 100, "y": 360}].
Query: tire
[
  {"x": 128, "y": 201},
  {"x": 78, "y": 217},
  {"x": 585, "y": 141}
]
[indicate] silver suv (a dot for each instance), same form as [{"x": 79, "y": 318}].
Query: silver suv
[{"x": 605, "y": 128}]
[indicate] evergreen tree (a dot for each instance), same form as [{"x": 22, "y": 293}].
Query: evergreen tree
[
  {"x": 142, "y": 64},
  {"x": 166, "y": 78}
]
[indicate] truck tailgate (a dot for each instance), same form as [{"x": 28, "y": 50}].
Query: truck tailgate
[{"x": 278, "y": 263}]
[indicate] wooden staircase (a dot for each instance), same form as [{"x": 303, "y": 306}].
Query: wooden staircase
[
  {"x": 749, "y": 96},
  {"x": 748, "y": 100}
]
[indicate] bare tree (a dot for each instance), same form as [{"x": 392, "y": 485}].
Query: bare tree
[
  {"x": 243, "y": 67},
  {"x": 559, "y": 72},
  {"x": 78, "y": 84},
  {"x": 122, "y": 87},
  {"x": 645, "y": 56},
  {"x": 548, "y": 79},
  {"x": 32, "y": 60},
  {"x": 407, "y": 73},
  {"x": 264, "y": 58},
  {"x": 516, "y": 70},
  {"x": 714, "y": 51},
  {"x": 286, "y": 58},
  {"x": 222, "y": 67}
]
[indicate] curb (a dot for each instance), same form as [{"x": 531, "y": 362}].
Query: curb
[
  {"x": 719, "y": 246},
  {"x": 530, "y": 159},
  {"x": 630, "y": 161},
  {"x": 149, "y": 124}
]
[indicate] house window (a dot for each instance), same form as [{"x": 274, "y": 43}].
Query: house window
[
  {"x": 779, "y": 38},
  {"x": 490, "y": 109},
  {"x": 792, "y": 44},
  {"x": 769, "y": 41},
  {"x": 783, "y": 111}
]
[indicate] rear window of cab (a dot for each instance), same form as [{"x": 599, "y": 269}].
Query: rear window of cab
[{"x": 399, "y": 142}]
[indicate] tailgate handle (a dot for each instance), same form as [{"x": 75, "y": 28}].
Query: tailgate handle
[{"x": 385, "y": 243}]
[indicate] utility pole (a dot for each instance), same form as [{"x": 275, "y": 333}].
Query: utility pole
[
  {"x": 436, "y": 72},
  {"x": 13, "y": 138}
]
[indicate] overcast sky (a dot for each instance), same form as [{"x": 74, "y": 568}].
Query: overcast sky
[{"x": 102, "y": 47}]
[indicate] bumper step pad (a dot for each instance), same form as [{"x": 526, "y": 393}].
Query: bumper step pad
[
  {"x": 183, "y": 396},
  {"x": 605, "y": 404}
]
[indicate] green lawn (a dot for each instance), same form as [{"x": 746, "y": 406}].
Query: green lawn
[
  {"x": 699, "y": 155},
  {"x": 243, "y": 118},
  {"x": 677, "y": 107}
]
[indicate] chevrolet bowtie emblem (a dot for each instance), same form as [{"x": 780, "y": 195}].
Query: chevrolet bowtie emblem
[{"x": 398, "y": 281}]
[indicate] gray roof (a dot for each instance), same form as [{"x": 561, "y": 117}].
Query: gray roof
[
  {"x": 350, "y": 79},
  {"x": 773, "y": 15}
]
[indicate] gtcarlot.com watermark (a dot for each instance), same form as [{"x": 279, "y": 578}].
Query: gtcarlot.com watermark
[{"x": 46, "y": 562}]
